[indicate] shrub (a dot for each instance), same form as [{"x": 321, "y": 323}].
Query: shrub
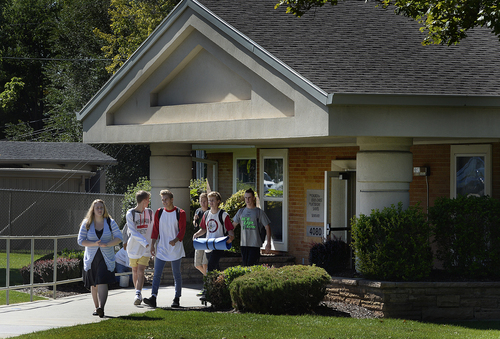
[
  {"x": 393, "y": 244},
  {"x": 333, "y": 255},
  {"x": 64, "y": 254},
  {"x": 285, "y": 290},
  {"x": 217, "y": 284},
  {"x": 196, "y": 187},
  {"x": 129, "y": 200},
  {"x": 467, "y": 234},
  {"x": 43, "y": 270}
]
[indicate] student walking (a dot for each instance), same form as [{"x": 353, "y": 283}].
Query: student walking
[
  {"x": 211, "y": 225},
  {"x": 168, "y": 232},
  {"x": 139, "y": 225},
  {"x": 252, "y": 219},
  {"x": 200, "y": 258},
  {"x": 99, "y": 234}
]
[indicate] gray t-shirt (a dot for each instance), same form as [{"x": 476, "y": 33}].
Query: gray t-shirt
[{"x": 249, "y": 222}]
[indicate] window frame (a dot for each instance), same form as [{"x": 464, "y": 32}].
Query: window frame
[
  {"x": 276, "y": 154},
  {"x": 246, "y": 154},
  {"x": 471, "y": 150}
]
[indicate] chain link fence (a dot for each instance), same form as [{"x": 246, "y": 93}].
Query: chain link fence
[{"x": 48, "y": 213}]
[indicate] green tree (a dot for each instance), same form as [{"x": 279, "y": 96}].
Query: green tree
[
  {"x": 50, "y": 47},
  {"x": 25, "y": 34},
  {"x": 132, "y": 21},
  {"x": 444, "y": 22},
  {"x": 80, "y": 70},
  {"x": 133, "y": 163}
]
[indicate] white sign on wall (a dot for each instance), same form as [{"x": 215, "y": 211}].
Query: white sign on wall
[{"x": 315, "y": 205}]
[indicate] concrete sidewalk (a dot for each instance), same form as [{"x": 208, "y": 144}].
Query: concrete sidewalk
[{"x": 17, "y": 319}]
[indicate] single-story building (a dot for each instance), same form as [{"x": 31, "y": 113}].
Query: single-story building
[
  {"x": 52, "y": 166},
  {"x": 329, "y": 115}
]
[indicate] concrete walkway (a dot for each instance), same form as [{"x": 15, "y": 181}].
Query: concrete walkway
[{"x": 17, "y": 319}]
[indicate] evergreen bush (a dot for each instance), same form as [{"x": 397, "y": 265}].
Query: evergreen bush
[
  {"x": 286, "y": 290},
  {"x": 333, "y": 255},
  {"x": 129, "y": 200},
  {"x": 467, "y": 233},
  {"x": 393, "y": 244},
  {"x": 217, "y": 283}
]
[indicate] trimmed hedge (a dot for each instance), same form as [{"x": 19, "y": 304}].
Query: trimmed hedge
[
  {"x": 217, "y": 283},
  {"x": 333, "y": 255},
  {"x": 285, "y": 290},
  {"x": 393, "y": 244},
  {"x": 467, "y": 234}
]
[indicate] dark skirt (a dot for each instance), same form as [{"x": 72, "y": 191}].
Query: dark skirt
[{"x": 98, "y": 273}]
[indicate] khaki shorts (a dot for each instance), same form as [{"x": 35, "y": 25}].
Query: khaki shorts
[
  {"x": 144, "y": 261},
  {"x": 200, "y": 258}
]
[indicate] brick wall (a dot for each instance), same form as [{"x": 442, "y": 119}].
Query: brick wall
[
  {"x": 307, "y": 168},
  {"x": 225, "y": 174},
  {"x": 306, "y": 172},
  {"x": 437, "y": 158}
]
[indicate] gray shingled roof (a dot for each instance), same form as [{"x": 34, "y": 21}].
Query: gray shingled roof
[
  {"x": 355, "y": 47},
  {"x": 52, "y": 152}
]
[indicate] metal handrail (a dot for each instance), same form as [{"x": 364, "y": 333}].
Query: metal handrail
[{"x": 31, "y": 285}]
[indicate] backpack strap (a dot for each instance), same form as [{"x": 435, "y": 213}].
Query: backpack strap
[
  {"x": 108, "y": 219},
  {"x": 177, "y": 213},
  {"x": 221, "y": 219}
]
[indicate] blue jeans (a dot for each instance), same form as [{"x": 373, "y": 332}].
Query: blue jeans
[{"x": 176, "y": 270}]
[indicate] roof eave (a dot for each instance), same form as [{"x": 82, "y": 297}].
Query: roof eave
[{"x": 378, "y": 99}]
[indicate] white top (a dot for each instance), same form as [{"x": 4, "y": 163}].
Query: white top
[
  {"x": 168, "y": 230},
  {"x": 140, "y": 226}
]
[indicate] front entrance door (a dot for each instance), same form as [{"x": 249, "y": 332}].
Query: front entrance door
[{"x": 340, "y": 204}]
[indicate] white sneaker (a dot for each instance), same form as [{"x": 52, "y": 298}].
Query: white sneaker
[{"x": 138, "y": 299}]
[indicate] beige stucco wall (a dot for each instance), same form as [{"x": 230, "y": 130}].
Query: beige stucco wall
[{"x": 195, "y": 84}]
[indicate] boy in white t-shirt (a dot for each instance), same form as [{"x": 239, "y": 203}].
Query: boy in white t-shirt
[
  {"x": 168, "y": 232},
  {"x": 140, "y": 225},
  {"x": 211, "y": 225}
]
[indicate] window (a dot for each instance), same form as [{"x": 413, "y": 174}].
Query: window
[
  {"x": 273, "y": 185},
  {"x": 246, "y": 174},
  {"x": 470, "y": 170},
  {"x": 244, "y": 169}
]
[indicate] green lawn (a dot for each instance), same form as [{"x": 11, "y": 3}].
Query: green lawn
[
  {"x": 17, "y": 260},
  {"x": 197, "y": 324}
]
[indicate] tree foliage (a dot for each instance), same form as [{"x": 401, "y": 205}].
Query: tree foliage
[
  {"x": 131, "y": 23},
  {"x": 133, "y": 163},
  {"x": 49, "y": 47},
  {"x": 444, "y": 22}
]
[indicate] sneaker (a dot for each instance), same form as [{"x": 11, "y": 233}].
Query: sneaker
[
  {"x": 151, "y": 301},
  {"x": 138, "y": 299},
  {"x": 175, "y": 303},
  {"x": 201, "y": 293}
]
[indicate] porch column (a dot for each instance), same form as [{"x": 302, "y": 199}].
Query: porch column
[
  {"x": 384, "y": 172},
  {"x": 170, "y": 168}
]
